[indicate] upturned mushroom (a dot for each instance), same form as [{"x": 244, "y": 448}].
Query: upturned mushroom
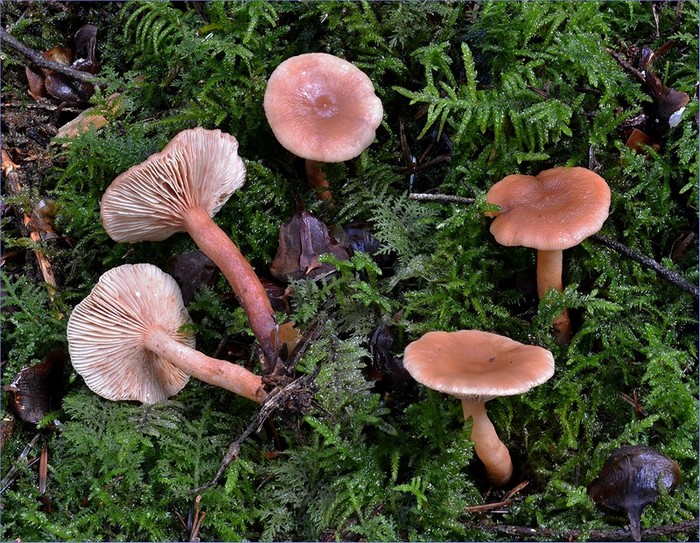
[
  {"x": 555, "y": 210},
  {"x": 476, "y": 367},
  {"x": 126, "y": 340},
  {"x": 322, "y": 108},
  {"x": 179, "y": 190}
]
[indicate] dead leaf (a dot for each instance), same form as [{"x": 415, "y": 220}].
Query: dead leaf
[
  {"x": 44, "y": 82},
  {"x": 301, "y": 241},
  {"x": 89, "y": 119},
  {"x": 38, "y": 390},
  {"x": 192, "y": 270},
  {"x": 286, "y": 337}
]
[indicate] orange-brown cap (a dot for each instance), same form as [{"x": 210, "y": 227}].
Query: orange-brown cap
[
  {"x": 198, "y": 168},
  {"x": 476, "y": 364},
  {"x": 106, "y": 333},
  {"x": 322, "y": 107},
  {"x": 555, "y": 210}
]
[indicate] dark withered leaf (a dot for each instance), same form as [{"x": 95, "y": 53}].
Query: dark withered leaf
[
  {"x": 301, "y": 241},
  {"x": 43, "y": 82},
  {"x": 667, "y": 106},
  {"x": 38, "y": 390},
  {"x": 630, "y": 480},
  {"x": 191, "y": 270}
]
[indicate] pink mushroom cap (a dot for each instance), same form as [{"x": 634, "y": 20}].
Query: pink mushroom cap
[{"x": 321, "y": 107}]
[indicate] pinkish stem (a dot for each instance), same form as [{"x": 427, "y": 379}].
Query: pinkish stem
[
  {"x": 220, "y": 373},
  {"x": 214, "y": 243},
  {"x": 488, "y": 446},
  {"x": 317, "y": 180},
  {"x": 549, "y": 275}
]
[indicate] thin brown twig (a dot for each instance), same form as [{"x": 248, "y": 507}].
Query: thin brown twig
[
  {"x": 275, "y": 400},
  {"x": 14, "y": 186},
  {"x": 507, "y": 500},
  {"x": 37, "y": 59},
  {"x": 671, "y": 276}
]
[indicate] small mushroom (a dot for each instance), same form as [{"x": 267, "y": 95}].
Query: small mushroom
[
  {"x": 179, "y": 190},
  {"x": 126, "y": 339},
  {"x": 476, "y": 367},
  {"x": 550, "y": 212},
  {"x": 631, "y": 479},
  {"x": 322, "y": 108}
]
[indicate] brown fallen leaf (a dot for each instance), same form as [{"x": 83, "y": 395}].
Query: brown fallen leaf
[
  {"x": 301, "y": 241},
  {"x": 286, "y": 338},
  {"x": 37, "y": 390},
  {"x": 637, "y": 140},
  {"x": 44, "y": 82}
]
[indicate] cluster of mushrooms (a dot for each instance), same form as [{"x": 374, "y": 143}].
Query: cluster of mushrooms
[{"x": 128, "y": 338}]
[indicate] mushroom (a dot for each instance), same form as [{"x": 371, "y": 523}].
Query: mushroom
[
  {"x": 126, "y": 339},
  {"x": 322, "y": 108},
  {"x": 630, "y": 480},
  {"x": 179, "y": 190},
  {"x": 550, "y": 212},
  {"x": 476, "y": 367}
]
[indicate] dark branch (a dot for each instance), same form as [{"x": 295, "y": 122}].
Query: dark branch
[
  {"x": 524, "y": 533},
  {"x": 664, "y": 272},
  {"x": 37, "y": 59}
]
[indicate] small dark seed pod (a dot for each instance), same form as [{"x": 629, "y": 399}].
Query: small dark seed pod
[{"x": 630, "y": 480}]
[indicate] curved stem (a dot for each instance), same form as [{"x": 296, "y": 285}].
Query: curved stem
[
  {"x": 214, "y": 243},
  {"x": 488, "y": 446},
  {"x": 549, "y": 275},
  {"x": 220, "y": 373}
]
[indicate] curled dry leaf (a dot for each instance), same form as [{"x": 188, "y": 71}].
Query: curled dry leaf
[
  {"x": 44, "y": 82},
  {"x": 632, "y": 478},
  {"x": 301, "y": 241},
  {"x": 37, "y": 390},
  {"x": 192, "y": 270}
]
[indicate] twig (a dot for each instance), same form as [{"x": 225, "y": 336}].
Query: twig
[
  {"x": 14, "y": 186},
  {"x": 12, "y": 472},
  {"x": 622, "y": 61},
  {"x": 669, "y": 275},
  {"x": 197, "y": 520},
  {"x": 507, "y": 500},
  {"x": 43, "y": 468},
  {"x": 519, "y": 533},
  {"x": 441, "y": 198},
  {"x": 37, "y": 59},
  {"x": 276, "y": 400}
]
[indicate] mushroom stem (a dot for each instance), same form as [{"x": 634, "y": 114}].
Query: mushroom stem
[
  {"x": 317, "y": 180},
  {"x": 549, "y": 275},
  {"x": 227, "y": 375},
  {"x": 488, "y": 446},
  {"x": 214, "y": 243},
  {"x": 549, "y": 271}
]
